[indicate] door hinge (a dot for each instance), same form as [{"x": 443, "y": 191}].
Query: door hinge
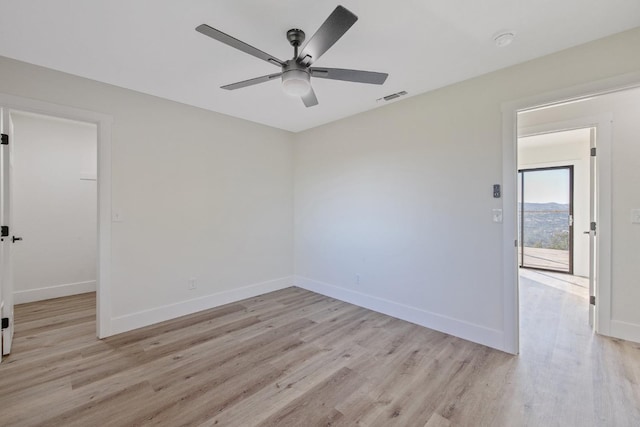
[
  {"x": 592, "y": 300},
  {"x": 593, "y": 152},
  {"x": 5, "y": 322},
  {"x": 5, "y": 139},
  {"x": 593, "y": 226},
  {"x": 4, "y": 231}
]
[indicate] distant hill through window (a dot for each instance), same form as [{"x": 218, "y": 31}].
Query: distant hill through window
[{"x": 546, "y": 225}]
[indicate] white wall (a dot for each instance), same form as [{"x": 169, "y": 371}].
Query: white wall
[
  {"x": 624, "y": 108},
  {"x": 201, "y": 195},
  {"x": 563, "y": 149},
  {"x": 402, "y": 195},
  {"x": 54, "y": 207}
]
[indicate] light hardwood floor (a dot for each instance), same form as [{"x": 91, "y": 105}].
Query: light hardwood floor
[{"x": 295, "y": 358}]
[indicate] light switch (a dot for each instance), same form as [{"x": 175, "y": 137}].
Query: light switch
[
  {"x": 635, "y": 216},
  {"x": 497, "y": 215}
]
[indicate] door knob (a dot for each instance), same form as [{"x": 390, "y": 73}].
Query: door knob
[{"x": 14, "y": 238}]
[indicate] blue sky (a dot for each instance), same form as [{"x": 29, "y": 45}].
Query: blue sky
[{"x": 547, "y": 186}]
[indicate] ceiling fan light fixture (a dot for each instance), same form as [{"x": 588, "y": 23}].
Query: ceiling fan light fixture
[
  {"x": 297, "y": 71},
  {"x": 296, "y": 82}
]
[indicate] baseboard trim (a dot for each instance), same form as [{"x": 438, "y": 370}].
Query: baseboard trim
[
  {"x": 57, "y": 291},
  {"x": 171, "y": 311},
  {"x": 625, "y": 331},
  {"x": 468, "y": 331}
]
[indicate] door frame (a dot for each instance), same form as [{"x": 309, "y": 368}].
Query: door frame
[
  {"x": 570, "y": 167},
  {"x": 103, "y": 123},
  {"x": 510, "y": 110}
]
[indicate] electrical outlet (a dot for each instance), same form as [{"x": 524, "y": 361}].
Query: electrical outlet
[
  {"x": 497, "y": 215},
  {"x": 192, "y": 284}
]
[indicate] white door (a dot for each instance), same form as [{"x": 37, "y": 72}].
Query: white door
[
  {"x": 6, "y": 279},
  {"x": 591, "y": 231}
]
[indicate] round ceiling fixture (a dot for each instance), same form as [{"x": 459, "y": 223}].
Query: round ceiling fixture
[
  {"x": 504, "y": 38},
  {"x": 296, "y": 82}
]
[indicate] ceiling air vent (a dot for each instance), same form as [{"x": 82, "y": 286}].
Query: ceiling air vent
[{"x": 392, "y": 96}]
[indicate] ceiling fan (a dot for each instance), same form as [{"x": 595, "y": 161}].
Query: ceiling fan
[{"x": 296, "y": 73}]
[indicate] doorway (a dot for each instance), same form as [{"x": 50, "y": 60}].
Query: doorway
[
  {"x": 545, "y": 217},
  {"x": 609, "y": 107},
  {"x": 556, "y": 196},
  {"x": 52, "y": 207},
  {"x": 101, "y": 177},
  {"x": 541, "y": 127}
]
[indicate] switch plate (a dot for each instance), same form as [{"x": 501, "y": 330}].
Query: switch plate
[
  {"x": 497, "y": 215},
  {"x": 635, "y": 216}
]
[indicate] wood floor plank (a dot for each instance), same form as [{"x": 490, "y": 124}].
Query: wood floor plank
[
  {"x": 292, "y": 357},
  {"x": 437, "y": 420},
  {"x": 318, "y": 403},
  {"x": 108, "y": 411}
]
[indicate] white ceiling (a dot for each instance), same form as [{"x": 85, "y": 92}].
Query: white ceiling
[
  {"x": 566, "y": 137},
  {"x": 151, "y": 45}
]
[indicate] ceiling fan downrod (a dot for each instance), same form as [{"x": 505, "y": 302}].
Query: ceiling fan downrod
[{"x": 295, "y": 37}]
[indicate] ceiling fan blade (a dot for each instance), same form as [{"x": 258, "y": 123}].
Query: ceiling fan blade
[
  {"x": 310, "y": 99},
  {"x": 358, "y": 76},
  {"x": 240, "y": 45},
  {"x": 329, "y": 32},
  {"x": 251, "y": 82}
]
